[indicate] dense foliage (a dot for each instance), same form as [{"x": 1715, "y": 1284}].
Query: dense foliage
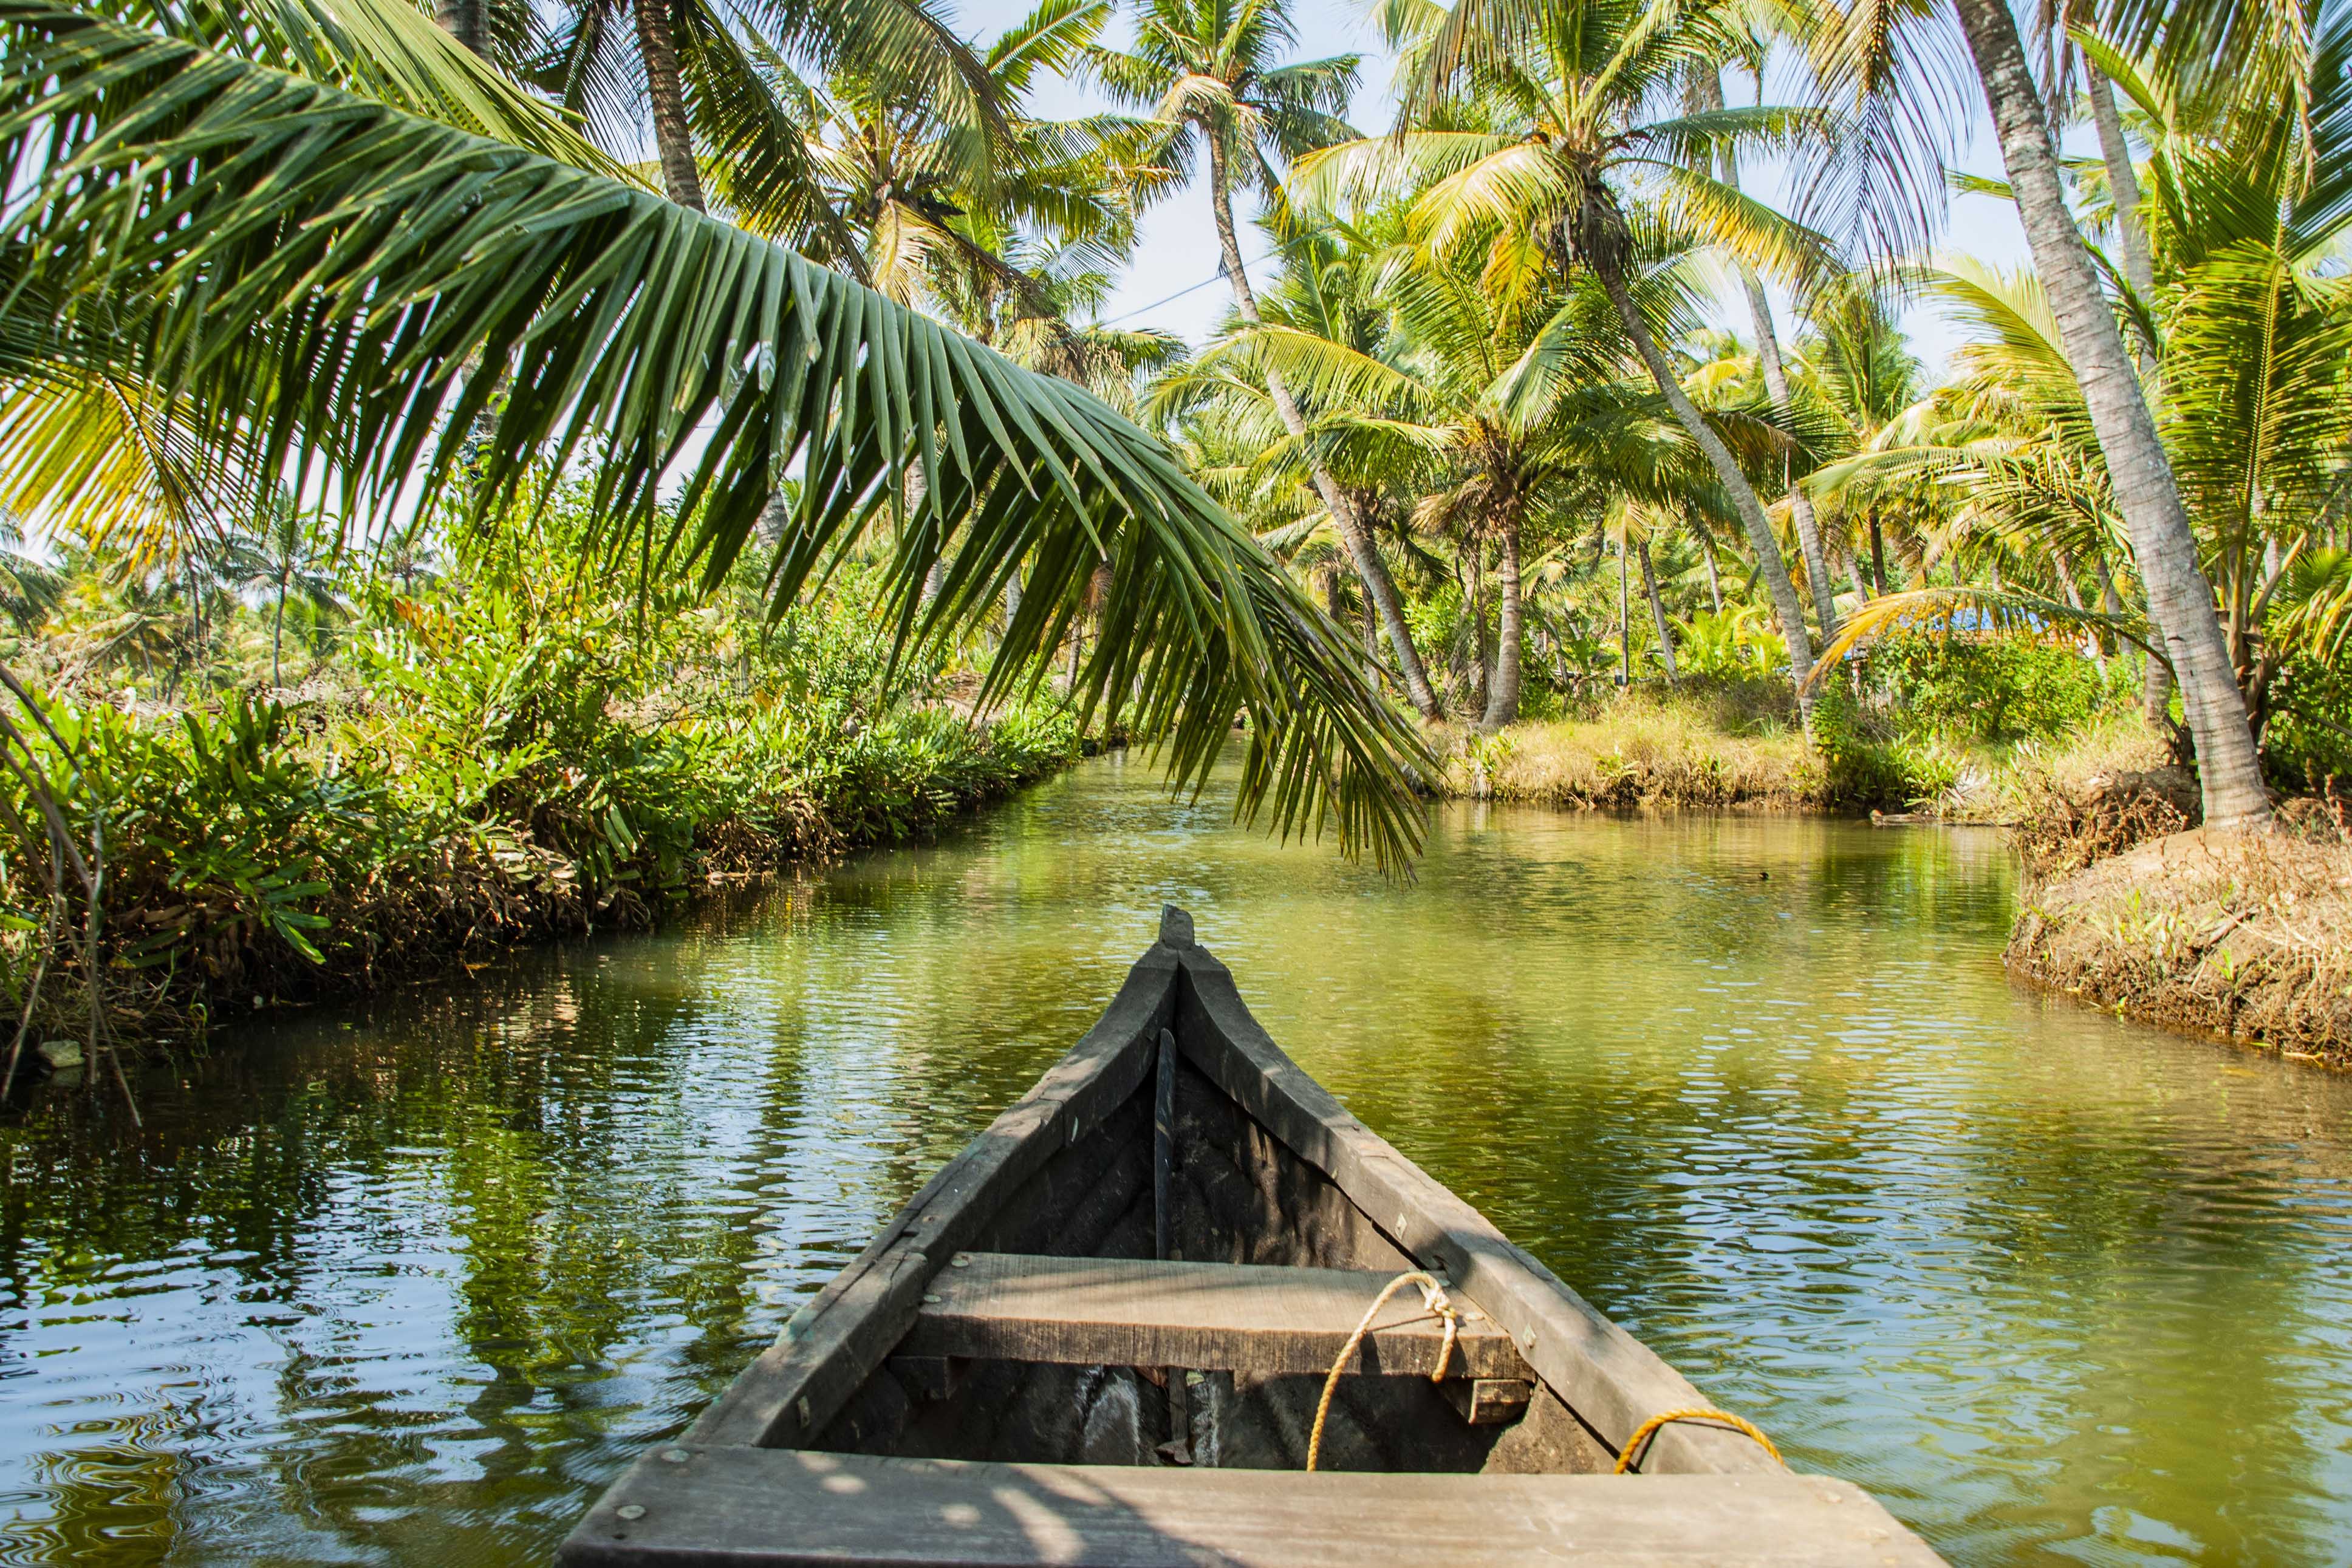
[{"x": 506, "y": 746}]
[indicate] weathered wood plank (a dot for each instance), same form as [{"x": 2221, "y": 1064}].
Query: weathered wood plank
[
  {"x": 1612, "y": 1380},
  {"x": 1489, "y": 1401},
  {"x": 793, "y": 1509},
  {"x": 1115, "y": 1311},
  {"x": 794, "y": 1386},
  {"x": 930, "y": 1377}
]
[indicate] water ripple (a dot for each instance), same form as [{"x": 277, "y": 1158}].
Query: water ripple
[{"x": 409, "y": 1283}]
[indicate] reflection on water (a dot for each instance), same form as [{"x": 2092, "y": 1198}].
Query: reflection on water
[{"x": 408, "y": 1283}]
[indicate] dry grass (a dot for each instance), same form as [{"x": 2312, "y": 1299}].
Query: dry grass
[
  {"x": 2244, "y": 935},
  {"x": 1641, "y": 750},
  {"x": 2017, "y": 785},
  {"x": 1702, "y": 748}
]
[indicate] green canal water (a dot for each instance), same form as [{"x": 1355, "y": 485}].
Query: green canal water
[{"x": 408, "y": 1283}]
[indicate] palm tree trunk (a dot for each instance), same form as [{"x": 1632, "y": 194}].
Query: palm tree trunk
[
  {"x": 1658, "y": 615},
  {"x": 1791, "y": 611},
  {"x": 1482, "y": 661},
  {"x": 462, "y": 20},
  {"x": 1624, "y": 623},
  {"x": 917, "y": 490},
  {"x": 1706, "y": 90},
  {"x": 1503, "y": 693},
  {"x": 277, "y": 635},
  {"x": 672, "y": 136},
  {"x": 1362, "y": 553},
  {"x": 1877, "y": 553},
  {"x": 2114, "y": 152},
  {"x": 2180, "y": 601},
  {"x": 2156, "y": 695}
]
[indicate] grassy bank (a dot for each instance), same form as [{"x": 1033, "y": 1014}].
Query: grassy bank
[
  {"x": 2129, "y": 903},
  {"x": 1947, "y": 728},
  {"x": 506, "y": 752},
  {"x": 2243, "y": 935}
]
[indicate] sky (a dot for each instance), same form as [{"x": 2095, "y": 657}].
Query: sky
[{"x": 1172, "y": 281}]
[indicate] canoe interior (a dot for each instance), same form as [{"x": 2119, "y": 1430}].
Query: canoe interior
[{"x": 1236, "y": 1194}]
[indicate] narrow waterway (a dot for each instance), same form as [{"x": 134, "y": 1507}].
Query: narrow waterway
[{"x": 408, "y": 1283}]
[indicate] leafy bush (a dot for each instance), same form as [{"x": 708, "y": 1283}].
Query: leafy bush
[
  {"x": 1992, "y": 689},
  {"x": 2307, "y": 742},
  {"x": 1735, "y": 642},
  {"x": 523, "y": 749}
]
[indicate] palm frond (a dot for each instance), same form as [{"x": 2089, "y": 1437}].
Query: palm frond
[
  {"x": 2009, "y": 610},
  {"x": 390, "y": 51},
  {"x": 309, "y": 275}
]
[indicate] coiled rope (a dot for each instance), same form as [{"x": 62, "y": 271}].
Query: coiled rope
[
  {"x": 1432, "y": 1297},
  {"x": 1631, "y": 1453}
]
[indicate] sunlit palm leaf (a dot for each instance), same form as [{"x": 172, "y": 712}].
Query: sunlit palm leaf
[
  {"x": 384, "y": 49},
  {"x": 310, "y": 272},
  {"x": 1992, "y": 609}
]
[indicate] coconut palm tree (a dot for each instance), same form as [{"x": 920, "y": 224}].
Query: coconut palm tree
[
  {"x": 696, "y": 70},
  {"x": 2251, "y": 327},
  {"x": 306, "y": 273},
  {"x": 1209, "y": 71},
  {"x": 1458, "y": 384},
  {"x": 922, "y": 205},
  {"x": 1510, "y": 382},
  {"x": 1523, "y": 122},
  {"x": 1856, "y": 368},
  {"x": 1703, "y": 92},
  {"x": 293, "y": 557},
  {"x": 2164, "y": 543}
]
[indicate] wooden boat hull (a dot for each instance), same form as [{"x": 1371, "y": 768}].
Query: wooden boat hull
[{"x": 1099, "y": 1335}]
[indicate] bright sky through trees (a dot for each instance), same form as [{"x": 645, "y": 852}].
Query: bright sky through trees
[{"x": 1171, "y": 282}]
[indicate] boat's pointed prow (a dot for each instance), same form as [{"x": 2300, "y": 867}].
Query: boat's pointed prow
[{"x": 1177, "y": 1256}]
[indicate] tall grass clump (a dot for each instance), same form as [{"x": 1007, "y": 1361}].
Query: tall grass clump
[{"x": 1705, "y": 744}]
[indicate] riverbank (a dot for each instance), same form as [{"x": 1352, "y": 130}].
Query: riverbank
[
  {"x": 1734, "y": 746},
  {"x": 511, "y": 751},
  {"x": 271, "y": 855},
  {"x": 2244, "y": 935},
  {"x": 2130, "y": 906}
]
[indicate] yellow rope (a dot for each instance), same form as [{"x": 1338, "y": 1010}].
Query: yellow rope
[
  {"x": 1433, "y": 1296},
  {"x": 1642, "y": 1434}
]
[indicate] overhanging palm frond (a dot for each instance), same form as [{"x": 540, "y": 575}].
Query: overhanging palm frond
[
  {"x": 384, "y": 49},
  {"x": 309, "y": 274},
  {"x": 1994, "y": 610}
]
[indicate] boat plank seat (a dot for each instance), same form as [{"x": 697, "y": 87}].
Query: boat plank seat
[
  {"x": 1120, "y": 1312},
  {"x": 782, "y": 1507}
]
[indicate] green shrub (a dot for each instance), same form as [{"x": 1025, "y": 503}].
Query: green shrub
[
  {"x": 525, "y": 748},
  {"x": 1990, "y": 689},
  {"x": 2308, "y": 739}
]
